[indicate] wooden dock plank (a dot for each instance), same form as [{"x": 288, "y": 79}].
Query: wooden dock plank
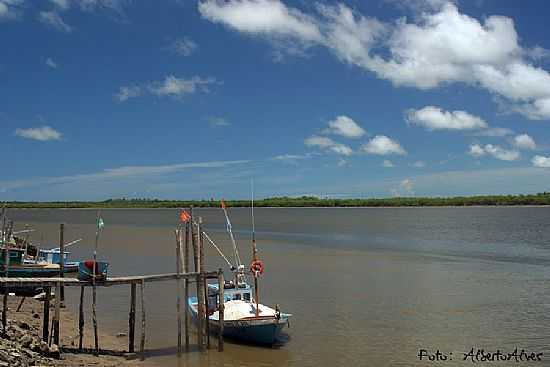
[{"x": 133, "y": 279}]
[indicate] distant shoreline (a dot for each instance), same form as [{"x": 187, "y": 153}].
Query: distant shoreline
[{"x": 529, "y": 200}]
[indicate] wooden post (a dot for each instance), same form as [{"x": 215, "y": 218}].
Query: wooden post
[
  {"x": 81, "y": 319},
  {"x": 186, "y": 286},
  {"x": 46, "y": 318},
  {"x": 196, "y": 257},
  {"x": 94, "y": 315},
  {"x": 20, "y": 304},
  {"x": 132, "y": 318},
  {"x": 6, "y": 240},
  {"x": 142, "y": 346},
  {"x": 178, "y": 286},
  {"x": 61, "y": 262},
  {"x": 221, "y": 309},
  {"x": 205, "y": 287},
  {"x": 57, "y": 313}
]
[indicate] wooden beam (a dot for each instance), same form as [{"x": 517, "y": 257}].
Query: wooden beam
[
  {"x": 46, "y": 316},
  {"x": 142, "y": 345},
  {"x": 132, "y": 319},
  {"x": 221, "y": 309},
  {"x": 62, "y": 261},
  {"x": 178, "y": 287},
  {"x": 81, "y": 319},
  {"x": 57, "y": 314}
]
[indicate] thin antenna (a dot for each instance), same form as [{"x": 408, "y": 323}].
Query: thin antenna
[{"x": 253, "y": 224}]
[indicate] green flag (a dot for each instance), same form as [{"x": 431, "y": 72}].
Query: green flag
[{"x": 100, "y": 224}]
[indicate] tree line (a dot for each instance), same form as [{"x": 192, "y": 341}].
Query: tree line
[{"x": 303, "y": 201}]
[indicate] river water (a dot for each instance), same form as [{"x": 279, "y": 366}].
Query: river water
[{"x": 366, "y": 286}]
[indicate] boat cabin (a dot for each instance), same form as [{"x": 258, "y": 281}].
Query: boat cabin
[
  {"x": 231, "y": 292},
  {"x": 15, "y": 256},
  {"x": 53, "y": 256}
]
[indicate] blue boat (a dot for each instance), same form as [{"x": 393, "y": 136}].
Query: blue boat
[
  {"x": 241, "y": 322},
  {"x": 53, "y": 256},
  {"x": 85, "y": 270}
]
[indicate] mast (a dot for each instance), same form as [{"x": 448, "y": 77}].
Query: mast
[{"x": 254, "y": 252}]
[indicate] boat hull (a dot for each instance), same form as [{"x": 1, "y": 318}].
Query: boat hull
[{"x": 85, "y": 271}]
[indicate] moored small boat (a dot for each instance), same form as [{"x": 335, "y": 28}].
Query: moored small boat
[
  {"x": 241, "y": 322},
  {"x": 86, "y": 270}
]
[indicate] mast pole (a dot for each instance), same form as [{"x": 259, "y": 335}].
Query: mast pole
[{"x": 254, "y": 254}]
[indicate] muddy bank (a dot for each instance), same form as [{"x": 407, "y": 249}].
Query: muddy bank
[{"x": 22, "y": 344}]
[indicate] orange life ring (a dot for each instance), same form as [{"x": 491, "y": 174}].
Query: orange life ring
[{"x": 257, "y": 267}]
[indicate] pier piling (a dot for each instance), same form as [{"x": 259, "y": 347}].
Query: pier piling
[
  {"x": 62, "y": 262},
  {"x": 46, "y": 316},
  {"x": 142, "y": 345},
  {"x": 178, "y": 286},
  {"x": 186, "y": 286},
  {"x": 221, "y": 309},
  {"x": 132, "y": 318},
  {"x": 57, "y": 315},
  {"x": 81, "y": 319}
]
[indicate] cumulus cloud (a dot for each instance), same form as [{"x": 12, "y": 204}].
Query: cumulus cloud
[
  {"x": 525, "y": 142},
  {"x": 387, "y": 163},
  {"x": 346, "y": 127},
  {"x": 54, "y": 20},
  {"x": 171, "y": 86},
  {"x": 434, "y": 118},
  {"x": 541, "y": 161},
  {"x": 438, "y": 47},
  {"x": 183, "y": 47},
  {"x": 382, "y": 145},
  {"x": 43, "y": 133},
  {"x": 495, "y": 151},
  {"x": 324, "y": 143}
]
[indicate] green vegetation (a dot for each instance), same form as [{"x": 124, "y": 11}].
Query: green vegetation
[{"x": 304, "y": 201}]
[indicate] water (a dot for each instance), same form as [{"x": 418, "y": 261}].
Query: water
[{"x": 367, "y": 287}]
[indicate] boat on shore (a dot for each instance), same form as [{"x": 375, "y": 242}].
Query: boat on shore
[{"x": 18, "y": 268}]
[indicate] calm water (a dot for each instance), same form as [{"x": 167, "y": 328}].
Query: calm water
[{"x": 367, "y": 287}]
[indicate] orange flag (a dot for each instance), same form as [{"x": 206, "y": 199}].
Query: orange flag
[{"x": 184, "y": 216}]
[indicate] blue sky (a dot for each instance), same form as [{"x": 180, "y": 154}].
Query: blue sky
[{"x": 187, "y": 99}]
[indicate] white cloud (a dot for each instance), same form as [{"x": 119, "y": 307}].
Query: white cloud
[
  {"x": 184, "y": 46},
  {"x": 495, "y": 151},
  {"x": 10, "y": 9},
  {"x": 540, "y": 161},
  {"x": 52, "y": 64},
  {"x": 171, "y": 86},
  {"x": 176, "y": 87},
  {"x": 419, "y": 164},
  {"x": 382, "y": 145},
  {"x": 325, "y": 143},
  {"x": 405, "y": 188},
  {"x": 342, "y": 163},
  {"x": 495, "y": 132},
  {"x": 62, "y": 4},
  {"x": 54, "y": 20},
  {"x": 524, "y": 141},
  {"x": 387, "y": 163},
  {"x": 439, "y": 46},
  {"x": 43, "y": 133},
  {"x": 476, "y": 150},
  {"x": 434, "y": 118},
  {"x": 126, "y": 92},
  {"x": 118, "y": 173},
  {"x": 346, "y": 127},
  {"x": 291, "y": 157},
  {"x": 261, "y": 17},
  {"x": 218, "y": 121}
]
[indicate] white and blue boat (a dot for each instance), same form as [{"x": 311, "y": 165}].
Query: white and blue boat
[
  {"x": 241, "y": 322},
  {"x": 245, "y": 319}
]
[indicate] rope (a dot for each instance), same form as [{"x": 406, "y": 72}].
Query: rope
[
  {"x": 229, "y": 229},
  {"x": 217, "y": 248}
]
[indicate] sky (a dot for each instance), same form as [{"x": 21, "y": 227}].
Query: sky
[{"x": 182, "y": 99}]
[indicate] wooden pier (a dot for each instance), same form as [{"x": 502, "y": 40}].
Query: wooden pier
[{"x": 187, "y": 238}]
